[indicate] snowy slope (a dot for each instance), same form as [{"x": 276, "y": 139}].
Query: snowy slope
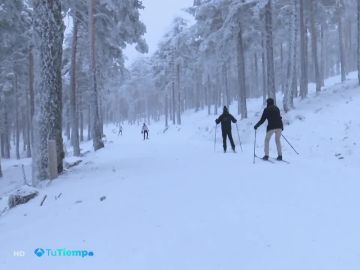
[{"x": 172, "y": 203}]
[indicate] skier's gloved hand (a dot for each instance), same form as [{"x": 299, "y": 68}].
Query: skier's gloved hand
[{"x": 255, "y": 127}]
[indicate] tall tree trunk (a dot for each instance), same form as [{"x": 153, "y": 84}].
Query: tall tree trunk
[
  {"x": 81, "y": 118},
  {"x": 226, "y": 85},
  {"x": 294, "y": 83},
  {"x": 348, "y": 45},
  {"x": 27, "y": 120},
  {"x": 242, "y": 109},
  {"x": 314, "y": 46},
  {"x": 282, "y": 78},
  {"x": 178, "y": 112},
  {"x": 256, "y": 74},
  {"x": 173, "y": 101},
  {"x": 291, "y": 68},
  {"x": 208, "y": 94},
  {"x": 5, "y": 144},
  {"x": 358, "y": 39},
  {"x": 197, "y": 88},
  {"x": 17, "y": 126},
  {"x": 96, "y": 133},
  {"x": 217, "y": 92},
  {"x": 270, "y": 51},
  {"x": 263, "y": 68},
  {"x": 303, "y": 53},
  {"x": 31, "y": 95},
  {"x": 322, "y": 55},
  {"x": 341, "y": 46},
  {"x": 89, "y": 123},
  {"x": 73, "y": 110},
  {"x": 166, "y": 111},
  {"x": 50, "y": 30}
]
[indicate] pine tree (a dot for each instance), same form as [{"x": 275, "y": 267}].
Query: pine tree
[
  {"x": 291, "y": 69},
  {"x": 303, "y": 53},
  {"x": 242, "y": 109},
  {"x": 314, "y": 46},
  {"x": 96, "y": 133},
  {"x": 49, "y": 28},
  {"x": 73, "y": 93}
]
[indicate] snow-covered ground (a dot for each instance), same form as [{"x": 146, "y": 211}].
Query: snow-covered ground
[{"x": 173, "y": 203}]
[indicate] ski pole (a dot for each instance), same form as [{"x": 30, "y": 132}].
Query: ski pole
[
  {"x": 254, "y": 147},
  {"x": 215, "y": 139},
  {"x": 290, "y": 144},
  {"x": 238, "y": 136}
]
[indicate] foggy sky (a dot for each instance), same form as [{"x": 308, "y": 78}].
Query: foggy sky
[{"x": 157, "y": 16}]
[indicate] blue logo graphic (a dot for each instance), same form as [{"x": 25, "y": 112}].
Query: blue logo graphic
[
  {"x": 39, "y": 252},
  {"x": 63, "y": 252}
]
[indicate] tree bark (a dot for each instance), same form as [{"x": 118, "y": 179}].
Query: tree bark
[
  {"x": 208, "y": 94},
  {"x": 73, "y": 104},
  {"x": 270, "y": 51},
  {"x": 291, "y": 68},
  {"x": 166, "y": 111},
  {"x": 173, "y": 111},
  {"x": 322, "y": 55},
  {"x": 96, "y": 133},
  {"x": 31, "y": 97},
  {"x": 358, "y": 39},
  {"x": 303, "y": 53},
  {"x": 263, "y": 66},
  {"x": 256, "y": 74},
  {"x": 17, "y": 126},
  {"x": 50, "y": 30},
  {"x": 341, "y": 46},
  {"x": 314, "y": 47},
  {"x": 226, "y": 85},
  {"x": 242, "y": 109},
  {"x": 178, "y": 112}
]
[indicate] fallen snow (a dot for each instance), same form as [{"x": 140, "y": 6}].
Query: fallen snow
[{"x": 173, "y": 203}]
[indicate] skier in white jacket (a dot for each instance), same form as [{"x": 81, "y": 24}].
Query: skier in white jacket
[{"x": 145, "y": 131}]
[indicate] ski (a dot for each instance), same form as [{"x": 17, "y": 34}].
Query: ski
[
  {"x": 285, "y": 161},
  {"x": 267, "y": 160}
]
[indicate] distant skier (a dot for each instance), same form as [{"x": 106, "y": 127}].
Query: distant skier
[
  {"x": 120, "y": 129},
  {"x": 275, "y": 125},
  {"x": 145, "y": 131},
  {"x": 225, "y": 119}
]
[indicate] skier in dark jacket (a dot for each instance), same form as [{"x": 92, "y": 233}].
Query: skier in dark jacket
[
  {"x": 275, "y": 125},
  {"x": 225, "y": 119}
]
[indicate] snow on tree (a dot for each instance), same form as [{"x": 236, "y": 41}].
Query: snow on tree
[
  {"x": 15, "y": 22},
  {"x": 49, "y": 30}
]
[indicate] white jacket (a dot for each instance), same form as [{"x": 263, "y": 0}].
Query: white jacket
[{"x": 145, "y": 128}]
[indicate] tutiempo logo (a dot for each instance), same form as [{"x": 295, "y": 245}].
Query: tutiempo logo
[
  {"x": 39, "y": 252},
  {"x": 63, "y": 252}
]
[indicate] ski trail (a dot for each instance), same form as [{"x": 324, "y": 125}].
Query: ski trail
[{"x": 172, "y": 203}]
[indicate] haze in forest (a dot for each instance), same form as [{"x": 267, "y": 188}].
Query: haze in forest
[{"x": 157, "y": 16}]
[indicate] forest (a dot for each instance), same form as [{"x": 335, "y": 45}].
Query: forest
[
  {"x": 115, "y": 123},
  {"x": 63, "y": 74}
]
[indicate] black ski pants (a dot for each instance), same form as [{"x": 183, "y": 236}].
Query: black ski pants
[
  {"x": 225, "y": 134},
  {"x": 146, "y": 134}
]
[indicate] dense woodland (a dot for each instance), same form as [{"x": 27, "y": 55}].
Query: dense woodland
[{"x": 65, "y": 85}]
